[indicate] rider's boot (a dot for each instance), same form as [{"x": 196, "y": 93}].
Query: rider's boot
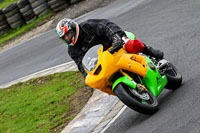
[{"x": 148, "y": 50}]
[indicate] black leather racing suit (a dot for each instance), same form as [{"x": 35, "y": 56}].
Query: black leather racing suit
[{"x": 91, "y": 33}]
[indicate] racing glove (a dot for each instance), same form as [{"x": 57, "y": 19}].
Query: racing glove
[{"x": 117, "y": 40}]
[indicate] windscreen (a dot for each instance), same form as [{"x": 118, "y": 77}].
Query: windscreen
[{"x": 91, "y": 58}]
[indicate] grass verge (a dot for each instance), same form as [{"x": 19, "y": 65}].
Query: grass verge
[
  {"x": 15, "y": 32},
  {"x": 45, "y": 104},
  {"x": 6, "y": 3}
]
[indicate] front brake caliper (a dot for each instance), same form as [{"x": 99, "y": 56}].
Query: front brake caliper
[{"x": 141, "y": 88}]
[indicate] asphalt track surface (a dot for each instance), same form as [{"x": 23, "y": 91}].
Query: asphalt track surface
[{"x": 170, "y": 25}]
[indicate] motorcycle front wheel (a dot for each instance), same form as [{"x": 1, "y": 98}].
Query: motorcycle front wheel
[{"x": 145, "y": 104}]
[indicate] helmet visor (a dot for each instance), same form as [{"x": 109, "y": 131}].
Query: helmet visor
[{"x": 68, "y": 37}]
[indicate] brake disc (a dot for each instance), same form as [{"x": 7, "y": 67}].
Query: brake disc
[{"x": 141, "y": 92}]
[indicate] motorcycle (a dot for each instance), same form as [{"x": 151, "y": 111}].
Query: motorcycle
[{"x": 136, "y": 79}]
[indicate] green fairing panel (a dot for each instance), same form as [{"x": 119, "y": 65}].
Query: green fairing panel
[
  {"x": 130, "y": 35},
  {"x": 153, "y": 80},
  {"x": 124, "y": 80}
]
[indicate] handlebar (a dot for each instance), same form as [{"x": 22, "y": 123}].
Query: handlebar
[{"x": 115, "y": 49}]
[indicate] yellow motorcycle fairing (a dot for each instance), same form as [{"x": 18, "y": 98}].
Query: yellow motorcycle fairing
[{"x": 109, "y": 64}]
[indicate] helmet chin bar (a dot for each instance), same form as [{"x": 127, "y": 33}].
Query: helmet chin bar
[{"x": 71, "y": 40}]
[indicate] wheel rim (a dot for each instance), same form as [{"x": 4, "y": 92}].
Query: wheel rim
[{"x": 145, "y": 98}]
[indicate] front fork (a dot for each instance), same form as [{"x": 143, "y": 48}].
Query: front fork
[
  {"x": 134, "y": 87},
  {"x": 128, "y": 80}
]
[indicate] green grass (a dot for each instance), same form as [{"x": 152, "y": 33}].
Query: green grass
[
  {"x": 15, "y": 32},
  {"x": 39, "y": 105},
  {"x": 6, "y": 3}
]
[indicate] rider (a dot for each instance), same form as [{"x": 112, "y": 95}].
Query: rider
[{"x": 81, "y": 37}]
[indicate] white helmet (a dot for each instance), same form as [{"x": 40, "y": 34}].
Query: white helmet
[{"x": 68, "y": 30}]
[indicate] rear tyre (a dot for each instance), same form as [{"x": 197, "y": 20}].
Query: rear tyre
[
  {"x": 129, "y": 98},
  {"x": 173, "y": 77}
]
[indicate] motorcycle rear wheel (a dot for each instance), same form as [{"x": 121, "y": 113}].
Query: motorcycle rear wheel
[
  {"x": 128, "y": 97},
  {"x": 174, "y": 78}
]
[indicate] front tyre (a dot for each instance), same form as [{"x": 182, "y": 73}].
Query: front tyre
[
  {"x": 173, "y": 77},
  {"x": 133, "y": 100}
]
